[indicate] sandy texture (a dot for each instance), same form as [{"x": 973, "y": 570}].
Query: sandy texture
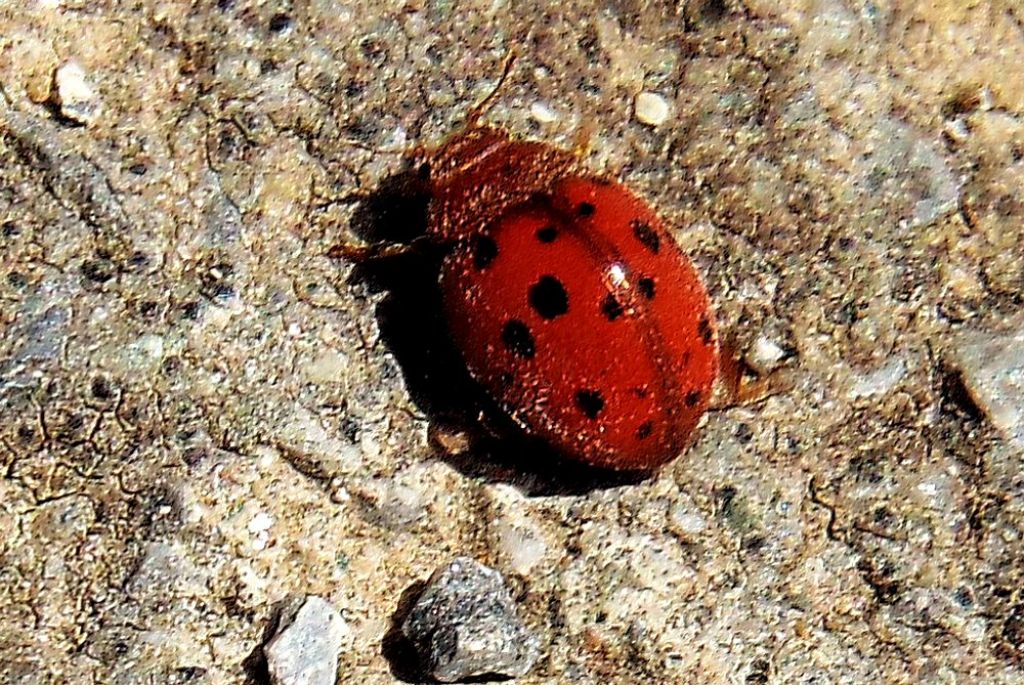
[{"x": 201, "y": 414}]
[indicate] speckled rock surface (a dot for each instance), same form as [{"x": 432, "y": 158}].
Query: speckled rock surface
[
  {"x": 201, "y": 414},
  {"x": 464, "y": 625}
]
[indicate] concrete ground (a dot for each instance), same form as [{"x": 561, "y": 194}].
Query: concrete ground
[{"x": 201, "y": 413}]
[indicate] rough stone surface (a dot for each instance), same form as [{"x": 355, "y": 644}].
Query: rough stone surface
[
  {"x": 465, "y": 625},
  {"x": 201, "y": 414},
  {"x": 304, "y": 651}
]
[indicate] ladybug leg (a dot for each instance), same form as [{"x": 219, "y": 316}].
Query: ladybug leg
[
  {"x": 351, "y": 248},
  {"x": 353, "y": 252},
  {"x": 449, "y": 441},
  {"x": 367, "y": 253},
  {"x": 363, "y": 253},
  {"x": 739, "y": 386}
]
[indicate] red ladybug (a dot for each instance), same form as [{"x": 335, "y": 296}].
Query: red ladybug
[{"x": 572, "y": 305}]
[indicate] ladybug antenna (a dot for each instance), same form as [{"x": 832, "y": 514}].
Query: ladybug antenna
[{"x": 481, "y": 107}]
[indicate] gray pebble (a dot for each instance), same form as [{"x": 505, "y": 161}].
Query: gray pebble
[
  {"x": 304, "y": 651},
  {"x": 464, "y": 625}
]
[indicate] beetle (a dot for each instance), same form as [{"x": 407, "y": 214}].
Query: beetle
[{"x": 569, "y": 300}]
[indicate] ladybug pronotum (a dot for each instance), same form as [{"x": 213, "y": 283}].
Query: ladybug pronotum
[{"x": 572, "y": 305}]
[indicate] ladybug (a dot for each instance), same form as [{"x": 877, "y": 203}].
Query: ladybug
[{"x": 570, "y": 302}]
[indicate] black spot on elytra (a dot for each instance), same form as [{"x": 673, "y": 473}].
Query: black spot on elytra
[
  {"x": 692, "y": 398},
  {"x": 704, "y": 328},
  {"x": 484, "y": 251},
  {"x": 548, "y": 297},
  {"x": 644, "y": 430},
  {"x": 641, "y": 392},
  {"x": 646, "y": 234},
  {"x": 518, "y": 340},
  {"x": 586, "y": 209},
  {"x": 646, "y": 287},
  {"x": 547, "y": 234},
  {"x": 590, "y": 402},
  {"x": 611, "y": 308}
]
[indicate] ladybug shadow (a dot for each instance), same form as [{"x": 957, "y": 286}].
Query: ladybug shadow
[{"x": 412, "y": 324}]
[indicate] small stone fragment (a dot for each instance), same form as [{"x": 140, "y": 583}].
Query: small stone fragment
[
  {"x": 523, "y": 547},
  {"x": 764, "y": 355},
  {"x": 388, "y": 502},
  {"x": 304, "y": 650},
  {"x": 879, "y": 381},
  {"x": 992, "y": 365},
  {"x": 77, "y": 99},
  {"x": 685, "y": 521},
  {"x": 259, "y": 527},
  {"x": 542, "y": 113},
  {"x": 650, "y": 108},
  {"x": 464, "y": 625},
  {"x": 165, "y": 572}
]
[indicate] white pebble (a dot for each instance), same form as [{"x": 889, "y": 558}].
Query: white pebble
[
  {"x": 974, "y": 629},
  {"x": 542, "y": 113},
  {"x": 259, "y": 527},
  {"x": 78, "y": 100},
  {"x": 260, "y": 523},
  {"x": 524, "y": 548},
  {"x": 328, "y": 367},
  {"x": 881, "y": 380},
  {"x": 764, "y": 355},
  {"x": 650, "y": 108},
  {"x": 152, "y": 346},
  {"x": 685, "y": 521}
]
